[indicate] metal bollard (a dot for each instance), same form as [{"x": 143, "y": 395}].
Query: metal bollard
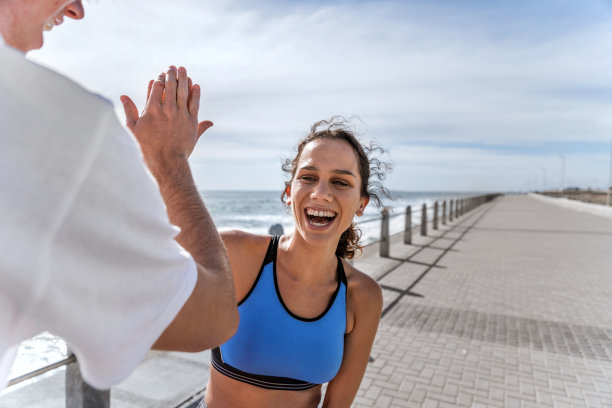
[
  {"x": 384, "y": 233},
  {"x": 408, "y": 227},
  {"x": 276, "y": 229},
  {"x": 444, "y": 212},
  {"x": 79, "y": 394},
  {"x": 424, "y": 220},
  {"x": 435, "y": 216}
]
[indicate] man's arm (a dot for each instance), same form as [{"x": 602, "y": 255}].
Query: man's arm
[{"x": 167, "y": 132}]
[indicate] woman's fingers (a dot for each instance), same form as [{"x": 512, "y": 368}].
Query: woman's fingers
[
  {"x": 149, "y": 89},
  {"x": 170, "y": 91},
  {"x": 131, "y": 112},
  {"x": 157, "y": 92},
  {"x": 194, "y": 103},
  {"x": 182, "y": 92}
]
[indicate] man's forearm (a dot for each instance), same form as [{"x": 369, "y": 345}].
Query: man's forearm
[
  {"x": 213, "y": 304},
  {"x": 186, "y": 210}
]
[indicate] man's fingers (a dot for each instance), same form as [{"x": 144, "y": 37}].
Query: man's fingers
[
  {"x": 189, "y": 85},
  {"x": 170, "y": 91},
  {"x": 203, "y": 127},
  {"x": 131, "y": 111},
  {"x": 157, "y": 92},
  {"x": 149, "y": 89},
  {"x": 194, "y": 103},
  {"x": 182, "y": 92}
]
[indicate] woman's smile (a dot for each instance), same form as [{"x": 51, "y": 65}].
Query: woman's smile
[
  {"x": 319, "y": 218},
  {"x": 325, "y": 191}
]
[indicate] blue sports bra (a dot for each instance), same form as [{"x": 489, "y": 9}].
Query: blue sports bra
[{"x": 275, "y": 349}]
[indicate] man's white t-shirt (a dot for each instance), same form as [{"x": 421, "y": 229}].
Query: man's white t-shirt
[{"x": 86, "y": 248}]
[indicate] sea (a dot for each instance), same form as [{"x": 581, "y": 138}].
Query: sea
[{"x": 253, "y": 211}]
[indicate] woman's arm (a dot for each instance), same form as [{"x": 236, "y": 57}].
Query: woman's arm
[
  {"x": 365, "y": 300},
  {"x": 246, "y": 252}
]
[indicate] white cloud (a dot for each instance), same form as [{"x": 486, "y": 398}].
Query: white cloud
[{"x": 515, "y": 73}]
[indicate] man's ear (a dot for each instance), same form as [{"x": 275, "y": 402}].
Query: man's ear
[{"x": 362, "y": 206}]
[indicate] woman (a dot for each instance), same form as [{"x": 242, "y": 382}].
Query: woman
[{"x": 307, "y": 317}]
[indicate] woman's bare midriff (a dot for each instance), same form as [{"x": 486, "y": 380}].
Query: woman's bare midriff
[{"x": 225, "y": 392}]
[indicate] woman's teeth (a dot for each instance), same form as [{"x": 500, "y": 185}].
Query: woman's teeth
[
  {"x": 320, "y": 213},
  {"x": 319, "y": 218}
]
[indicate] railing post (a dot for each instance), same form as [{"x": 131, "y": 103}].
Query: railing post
[
  {"x": 424, "y": 220},
  {"x": 435, "y": 216},
  {"x": 408, "y": 228},
  {"x": 450, "y": 211},
  {"x": 384, "y": 233},
  {"x": 444, "y": 212},
  {"x": 276, "y": 229},
  {"x": 79, "y": 394}
]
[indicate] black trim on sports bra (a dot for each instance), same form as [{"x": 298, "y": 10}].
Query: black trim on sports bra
[
  {"x": 262, "y": 381},
  {"x": 341, "y": 279},
  {"x": 270, "y": 257}
]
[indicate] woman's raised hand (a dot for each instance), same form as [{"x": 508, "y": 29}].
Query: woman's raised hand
[{"x": 168, "y": 128}]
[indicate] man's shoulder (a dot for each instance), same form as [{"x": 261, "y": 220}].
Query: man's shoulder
[{"x": 29, "y": 80}]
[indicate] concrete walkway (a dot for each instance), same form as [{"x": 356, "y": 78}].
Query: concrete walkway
[
  {"x": 508, "y": 306},
  {"x": 511, "y": 306}
]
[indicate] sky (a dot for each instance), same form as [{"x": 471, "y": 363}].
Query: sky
[{"x": 477, "y": 95}]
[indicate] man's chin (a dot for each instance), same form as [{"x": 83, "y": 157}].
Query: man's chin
[{"x": 35, "y": 44}]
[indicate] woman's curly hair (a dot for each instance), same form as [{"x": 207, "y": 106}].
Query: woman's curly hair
[{"x": 371, "y": 169}]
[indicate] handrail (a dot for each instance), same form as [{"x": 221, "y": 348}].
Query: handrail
[{"x": 40, "y": 371}]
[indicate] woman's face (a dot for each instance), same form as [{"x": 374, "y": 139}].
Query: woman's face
[{"x": 325, "y": 193}]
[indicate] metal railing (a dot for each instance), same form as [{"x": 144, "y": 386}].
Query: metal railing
[
  {"x": 81, "y": 395},
  {"x": 456, "y": 208}
]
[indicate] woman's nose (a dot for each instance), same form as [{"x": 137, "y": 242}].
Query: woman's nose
[{"x": 320, "y": 191}]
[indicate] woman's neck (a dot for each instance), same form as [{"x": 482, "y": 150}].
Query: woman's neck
[{"x": 313, "y": 265}]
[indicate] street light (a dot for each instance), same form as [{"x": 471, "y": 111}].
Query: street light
[
  {"x": 609, "y": 177},
  {"x": 562, "y": 172}
]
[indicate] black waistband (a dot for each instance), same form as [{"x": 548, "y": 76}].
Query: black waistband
[{"x": 261, "y": 381}]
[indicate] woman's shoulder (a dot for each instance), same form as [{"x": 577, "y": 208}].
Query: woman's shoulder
[
  {"x": 242, "y": 245},
  {"x": 246, "y": 242},
  {"x": 361, "y": 287}
]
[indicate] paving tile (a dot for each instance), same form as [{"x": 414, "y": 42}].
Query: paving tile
[{"x": 517, "y": 317}]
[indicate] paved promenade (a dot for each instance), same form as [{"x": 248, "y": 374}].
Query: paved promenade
[
  {"x": 510, "y": 306},
  {"x": 507, "y": 306}
]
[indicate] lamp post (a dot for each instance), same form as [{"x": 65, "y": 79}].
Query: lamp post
[
  {"x": 608, "y": 203},
  {"x": 562, "y": 172}
]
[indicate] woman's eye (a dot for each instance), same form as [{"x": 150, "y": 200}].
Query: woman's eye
[
  {"x": 341, "y": 183},
  {"x": 307, "y": 178}
]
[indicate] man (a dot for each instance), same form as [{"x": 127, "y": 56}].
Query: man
[{"x": 86, "y": 248}]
